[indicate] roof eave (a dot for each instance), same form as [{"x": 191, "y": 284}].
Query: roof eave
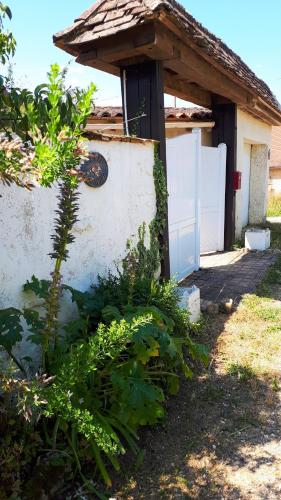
[{"x": 252, "y": 101}]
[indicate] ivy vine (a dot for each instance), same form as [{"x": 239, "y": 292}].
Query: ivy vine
[{"x": 144, "y": 261}]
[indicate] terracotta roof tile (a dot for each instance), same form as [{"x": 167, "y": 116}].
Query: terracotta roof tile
[
  {"x": 91, "y": 25},
  {"x": 172, "y": 114}
]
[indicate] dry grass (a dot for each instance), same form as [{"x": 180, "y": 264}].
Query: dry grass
[{"x": 250, "y": 344}]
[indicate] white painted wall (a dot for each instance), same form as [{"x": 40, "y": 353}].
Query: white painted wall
[
  {"x": 108, "y": 217},
  {"x": 251, "y": 131}
]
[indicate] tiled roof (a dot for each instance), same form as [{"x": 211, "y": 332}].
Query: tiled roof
[
  {"x": 172, "y": 114},
  {"x": 108, "y": 17}
]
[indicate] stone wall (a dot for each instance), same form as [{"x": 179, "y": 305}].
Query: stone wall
[{"x": 108, "y": 217}]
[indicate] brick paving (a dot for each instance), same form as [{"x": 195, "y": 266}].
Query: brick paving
[{"x": 229, "y": 275}]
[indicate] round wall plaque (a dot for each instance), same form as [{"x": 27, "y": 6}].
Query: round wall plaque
[{"x": 95, "y": 170}]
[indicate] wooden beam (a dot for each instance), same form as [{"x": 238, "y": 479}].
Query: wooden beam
[
  {"x": 267, "y": 109},
  {"x": 225, "y": 131},
  {"x": 143, "y": 93},
  {"x": 125, "y": 47},
  {"x": 90, "y": 59},
  {"x": 191, "y": 65},
  {"x": 175, "y": 125},
  {"x": 107, "y": 54},
  {"x": 187, "y": 91}
]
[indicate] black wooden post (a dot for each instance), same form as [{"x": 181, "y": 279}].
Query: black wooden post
[
  {"x": 143, "y": 94},
  {"x": 225, "y": 131}
]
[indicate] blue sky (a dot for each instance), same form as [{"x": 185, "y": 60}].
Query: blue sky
[{"x": 250, "y": 27}]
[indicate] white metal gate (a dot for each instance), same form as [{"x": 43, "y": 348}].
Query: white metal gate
[
  {"x": 183, "y": 169},
  {"x": 196, "y": 186},
  {"x": 212, "y": 198}
]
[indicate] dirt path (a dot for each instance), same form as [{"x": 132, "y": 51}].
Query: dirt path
[{"x": 222, "y": 435}]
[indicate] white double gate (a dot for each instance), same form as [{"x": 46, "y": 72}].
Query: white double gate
[{"x": 196, "y": 186}]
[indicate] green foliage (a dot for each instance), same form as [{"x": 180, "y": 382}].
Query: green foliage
[
  {"x": 10, "y": 328},
  {"x": 66, "y": 218},
  {"x": 48, "y": 124},
  {"x": 111, "y": 369},
  {"x": 106, "y": 388},
  {"x": 243, "y": 373},
  {"x": 56, "y": 126},
  {"x": 38, "y": 287},
  {"x": 159, "y": 224},
  {"x": 7, "y": 41}
]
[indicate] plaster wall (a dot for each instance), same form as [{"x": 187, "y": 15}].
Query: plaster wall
[
  {"x": 108, "y": 217},
  {"x": 206, "y": 134},
  {"x": 258, "y": 134}
]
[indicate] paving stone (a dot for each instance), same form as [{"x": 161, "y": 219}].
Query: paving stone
[{"x": 226, "y": 276}]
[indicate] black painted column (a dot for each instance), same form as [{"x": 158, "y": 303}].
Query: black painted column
[
  {"x": 144, "y": 95},
  {"x": 225, "y": 131}
]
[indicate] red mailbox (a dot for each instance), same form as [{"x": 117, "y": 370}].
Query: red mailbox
[{"x": 237, "y": 176}]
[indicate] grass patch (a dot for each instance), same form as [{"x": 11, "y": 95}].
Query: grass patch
[
  {"x": 275, "y": 234},
  {"x": 243, "y": 373},
  {"x": 274, "y": 205},
  {"x": 272, "y": 277},
  {"x": 252, "y": 339},
  {"x": 251, "y": 344}
]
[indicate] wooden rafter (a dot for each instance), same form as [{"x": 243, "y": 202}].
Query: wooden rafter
[
  {"x": 188, "y": 74},
  {"x": 187, "y": 91}
]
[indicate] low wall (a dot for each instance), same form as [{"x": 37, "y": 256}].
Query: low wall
[{"x": 108, "y": 217}]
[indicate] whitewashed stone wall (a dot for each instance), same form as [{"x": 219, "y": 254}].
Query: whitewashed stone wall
[{"x": 108, "y": 217}]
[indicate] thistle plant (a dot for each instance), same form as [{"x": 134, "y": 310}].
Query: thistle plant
[
  {"x": 43, "y": 143},
  {"x": 58, "y": 150},
  {"x": 62, "y": 237}
]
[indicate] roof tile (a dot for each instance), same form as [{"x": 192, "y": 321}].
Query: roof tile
[
  {"x": 110, "y": 5},
  {"x": 175, "y": 114},
  {"x": 98, "y": 18},
  {"x": 115, "y": 14},
  {"x": 135, "y": 12}
]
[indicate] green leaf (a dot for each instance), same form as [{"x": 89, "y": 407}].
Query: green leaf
[
  {"x": 199, "y": 352},
  {"x": 35, "y": 324},
  {"x": 39, "y": 287},
  {"x": 137, "y": 401},
  {"x": 10, "y": 328},
  {"x": 111, "y": 313},
  {"x": 87, "y": 303},
  {"x": 8, "y": 11},
  {"x": 74, "y": 330},
  {"x": 173, "y": 384}
]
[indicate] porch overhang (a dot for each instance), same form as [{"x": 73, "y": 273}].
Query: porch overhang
[{"x": 198, "y": 67}]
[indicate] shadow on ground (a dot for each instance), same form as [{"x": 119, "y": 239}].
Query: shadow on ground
[
  {"x": 220, "y": 440},
  {"x": 234, "y": 277}
]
